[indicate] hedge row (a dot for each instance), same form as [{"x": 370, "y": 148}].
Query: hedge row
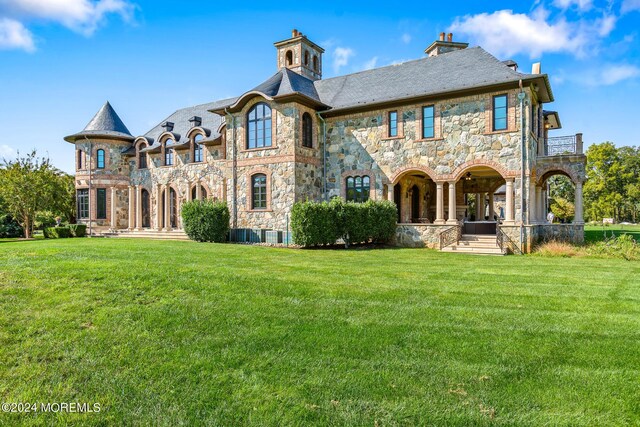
[
  {"x": 206, "y": 220},
  {"x": 315, "y": 224},
  {"x": 71, "y": 230}
]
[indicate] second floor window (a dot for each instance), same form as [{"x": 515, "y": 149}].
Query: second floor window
[
  {"x": 307, "y": 130},
  {"x": 80, "y": 155},
  {"x": 358, "y": 188},
  {"x": 393, "y": 123},
  {"x": 259, "y": 191},
  {"x": 100, "y": 159},
  {"x": 197, "y": 149},
  {"x": 142, "y": 157},
  {"x": 168, "y": 157},
  {"x": 259, "y": 126},
  {"x": 427, "y": 122},
  {"x": 500, "y": 112}
]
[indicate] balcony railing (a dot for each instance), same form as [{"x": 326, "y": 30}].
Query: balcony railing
[{"x": 563, "y": 145}]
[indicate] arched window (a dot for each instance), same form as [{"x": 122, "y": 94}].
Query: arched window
[
  {"x": 168, "y": 152},
  {"x": 197, "y": 148},
  {"x": 358, "y": 188},
  {"x": 146, "y": 209},
  {"x": 203, "y": 193},
  {"x": 289, "y": 58},
  {"x": 307, "y": 130},
  {"x": 315, "y": 62},
  {"x": 306, "y": 58},
  {"x": 80, "y": 155},
  {"x": 259, "y": 126},
  {"x": 259, "y": 191},
  {"x": 142, "y": 157},
  {"x": 100, "y": 159}
]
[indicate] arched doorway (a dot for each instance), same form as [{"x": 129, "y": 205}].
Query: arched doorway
[
  {"x": 483, "y": 192},
  {"x": 415, "y": 204},
  {"x": 146, "y": 209},
  {"x": 397, "y": 198},
  {"x": 557, "y": 198}
]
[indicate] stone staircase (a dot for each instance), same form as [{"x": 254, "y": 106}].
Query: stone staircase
[
  {"x": 479, "y": 244},
  {"x": 148, "y": 234}
]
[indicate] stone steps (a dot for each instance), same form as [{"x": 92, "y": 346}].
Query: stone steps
[
  {"x": 149, "y": 234},
  {"x": 477, "y": 244}
]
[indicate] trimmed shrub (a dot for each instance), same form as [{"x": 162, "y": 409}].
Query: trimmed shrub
[
  {"x": 57, "y": 232},
  {"x": 313, "y": 224},
  {"x": 78, "y": 230},
  {"x": 9, "y": 227},
  {"x": 206, "y": 220}
]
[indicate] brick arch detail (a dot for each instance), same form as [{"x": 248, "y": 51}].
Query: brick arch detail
[
  {"x": 549, "y": 171},
  {"x": 460, "y": 170},
  {"x": 204, "y": 185},
  {"x": 255, "y": 171},
  {"x": 359, "y": 172},
  {"x": 413, "y": 168}
]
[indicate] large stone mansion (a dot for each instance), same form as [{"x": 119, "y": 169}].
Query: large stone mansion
[{"x": 458, "y": 140}]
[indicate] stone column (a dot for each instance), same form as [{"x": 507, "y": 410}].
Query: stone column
[
  {"x": 138, "y": 207},
  {"x": 477, "y": 206},
  {"x": 188, "y": 192},
  {"x": 439, "y": 203},
  {"x": 492, "y": 209},
  {"x": 578, "y": 217},
  {"x": 482, "y": 207},
  {"x": 452, "y": 203},
  {"x": 539, "y": 205},
  {"x": 508, "y": 220},
  {"x": 167, "y": 209},
  {"x": 114, "y": 215},
  {"x": 131, "y": 208},
  {"x": 159, "y": 207},
  {"x": 532, "y": 202},
  {"x": 198, "y": 190},
  {"x": 390, "y": 193}
]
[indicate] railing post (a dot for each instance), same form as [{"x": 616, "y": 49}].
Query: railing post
[{"x": 579, "y": 146}]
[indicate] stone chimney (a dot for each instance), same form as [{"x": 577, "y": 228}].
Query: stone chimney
[{"x": 441, "y": 46}]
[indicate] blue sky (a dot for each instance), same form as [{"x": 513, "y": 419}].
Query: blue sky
[{"x": 60, "y": 60}]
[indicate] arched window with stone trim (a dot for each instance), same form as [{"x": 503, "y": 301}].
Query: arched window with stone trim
[
  {"x": 307, "y": 130},
  {"x": 259, "y": 126},
  {"x": 289, "y": 58},
  {"x": 203, "y": 192},
  {"x": 142, "y": 156},
  {"x": 80, "y": 156},
  {"x": 100, "y": 159},
  {"x": 306, "y": 58},
  {"x": 168, "y": 152},
  {"x": 259, "y": 191},
  {"x": 198, "y": 149},
  {"x": 315, "y": 63},
  {"x": 358, "y": 188}
]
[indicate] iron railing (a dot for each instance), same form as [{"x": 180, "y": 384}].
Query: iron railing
[
  {"x": 450, "y": 236},
  {"x": 561, "y": 145},
  {"x": 505, "y": 243}
]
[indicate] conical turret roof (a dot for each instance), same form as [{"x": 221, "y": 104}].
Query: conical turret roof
[{"x": 106, "y": 123}]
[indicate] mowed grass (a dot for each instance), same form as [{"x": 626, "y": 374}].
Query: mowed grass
[
  {"x": 595, "y": 233},
  {"x": 180, "y": 333}
]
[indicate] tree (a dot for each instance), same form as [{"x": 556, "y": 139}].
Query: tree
[
  {"x": 604, "y": 188},
  {"x": 563, "y": 209},
  {"x": 30, "y": 184}
]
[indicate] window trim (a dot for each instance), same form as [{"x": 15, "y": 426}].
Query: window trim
[
  {"x": 506, "y": 112},
  {"x": 433, "y": 121},
  {"x": 104, "y": 161},
  {"x": 390, "y": 128},
  {"x": 249, "y": 200},
  {"x": 248, "y": 121},
  {"x": 197, "y": 147},
  {"x": 142, "y": 145},
  {"x": 82, "y": 203}
]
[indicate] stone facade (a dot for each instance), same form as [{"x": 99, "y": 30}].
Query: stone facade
[{"x": 433, "y": 180}]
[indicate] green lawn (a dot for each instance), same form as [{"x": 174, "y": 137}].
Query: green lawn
[
  {"x": 594, "y": 233},
  {"x": 180, "y": 333}
]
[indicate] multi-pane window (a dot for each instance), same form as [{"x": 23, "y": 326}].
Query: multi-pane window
[
  {"x": 168, "y": 153},
  {"x": 101, "y": 203},
  {"x": 393, "y": 123},
  {"x": 100, "y": 159},
  {"x": 259, "y": 126},
  {"x": 83, "y": 203},
  {"x": 197, "y": 149},
  {"x": 427, "y": 122},
  {"x": 500, "y": 112},
  {"x": 358, "y": 188},
  {"x": 259, "y": 191},
  {"x": 307, "y": 130}
]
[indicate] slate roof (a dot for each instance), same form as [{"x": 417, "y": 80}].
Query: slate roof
[
  {"x": 106, "y": 122},
  {"x": 287, "y": 82},
  {"x": 449, "y": 72}
]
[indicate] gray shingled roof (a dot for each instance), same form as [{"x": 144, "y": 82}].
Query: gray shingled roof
[
  {"x": 449, "y": 72},
  {"x": 106, "y": 122},
  {"x": 287, "y": 82}
]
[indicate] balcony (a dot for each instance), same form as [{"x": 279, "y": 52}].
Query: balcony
[{"x": 570, "y": 145}]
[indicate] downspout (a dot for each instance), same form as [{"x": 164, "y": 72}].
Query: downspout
[
  {"x": 324, "y": 156},
  {"x": 90, "y": 169},
  {"x": 234, "y": 167},
  {"x": 521, "y": 97}
]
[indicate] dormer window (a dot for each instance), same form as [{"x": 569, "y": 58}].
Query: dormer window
[
  {"x": 142, "y": 157},
  {"x": 168, "y": 152},
  {"x": 259, "y": 126},
  {"x": 195, "y": 121},
  {"x": 198, "y": 151}
]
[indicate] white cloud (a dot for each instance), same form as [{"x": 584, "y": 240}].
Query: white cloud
[
  {"x": 506, "y": 33},
  {"x": 613, "y": 74},
  {"x": 82, "y": 16},
  {"x": 370, "y": 63},
  {"x": 406, "y": 38},
  {"x": 13, "y": 35},
  {"x": 341, "y": 56},
  {"x": 580, "y": 4},
  {"x": 630, "y": 6},
  {"x": 7, "y": 152}
]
